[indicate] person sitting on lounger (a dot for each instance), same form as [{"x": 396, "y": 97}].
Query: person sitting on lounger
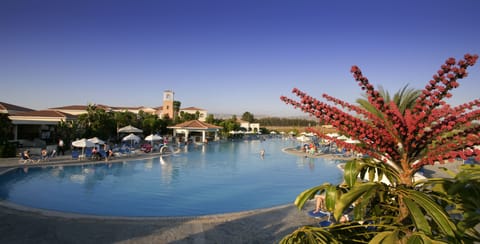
[
  {"x": 319, "y": 203},
  {"x": 25, "y": 157},
  {"x": 44, "y": 154},
  {"x": 320, "y": 206}
]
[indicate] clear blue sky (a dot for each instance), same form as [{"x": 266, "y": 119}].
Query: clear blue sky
[{"x": 226, "y": 56}]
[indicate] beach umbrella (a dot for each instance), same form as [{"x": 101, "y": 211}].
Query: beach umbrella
[
  {"x": 95, "y": 140},
  {"x": 352, "y": 141},
  {"x": 303, "y": 138},
  {"x": 153, "y": 137},
  {"x": 343, "y": 137},
  {"x": 129, "y": 129},
  {"x": 131, "y": 137},
  {"x": 333, "y": 135},
  {"x": 83, "y": 143}
]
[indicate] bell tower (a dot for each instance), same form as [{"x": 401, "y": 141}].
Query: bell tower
[{"x": 167, "y": 107}]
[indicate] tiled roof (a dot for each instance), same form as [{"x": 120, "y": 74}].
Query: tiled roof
[
  {"x": 10, "y": 107},
  {"x": 104, "y": 107},
  {"x": 45, "y": 113},
  {"x": 72, "y": 107},
  {"x": 129, "y": 108},
  {"x": 194, "y": 124},
  {"x": 80, "y": 107},
  {"x": 192, "y": 108}
]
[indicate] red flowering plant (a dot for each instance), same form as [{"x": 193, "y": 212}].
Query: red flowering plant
[{"x": 399, "y": 140}]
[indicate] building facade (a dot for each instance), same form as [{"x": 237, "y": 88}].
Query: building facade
[{"x": 32, "y": 124}]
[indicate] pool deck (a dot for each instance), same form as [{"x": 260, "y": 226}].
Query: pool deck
[{"x": 24, "y": 225}]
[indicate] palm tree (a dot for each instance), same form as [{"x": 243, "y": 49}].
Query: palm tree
[
  {"x": 400, "y": 135},
  {"x": 176, "y": 110},
  {"x": 404, "y": 99}
]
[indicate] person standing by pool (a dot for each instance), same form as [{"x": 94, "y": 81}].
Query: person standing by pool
[{"x": 61, "y": 147}]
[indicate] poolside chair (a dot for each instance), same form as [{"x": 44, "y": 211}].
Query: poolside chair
[
  {"x": 470, "y": 160},
  {"x": 88, "y": 153},
  {"x": 53, "y": 154},
  {"x": 102, "y": 154},
  {"x": 75, "y": 154},
  {"x": 325, "y": 223}
]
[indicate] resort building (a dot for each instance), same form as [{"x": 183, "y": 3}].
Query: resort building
[
  {"x": 250, "y": 127},
  {"x": 192, "y": 130},
  {"x": 31, "y": 125},
  {"x": 167, "y": 109},
  {"x": 7, "y": 108},
  {"x": 34, "y": 128},
  {"x": 82, "y": 109}
]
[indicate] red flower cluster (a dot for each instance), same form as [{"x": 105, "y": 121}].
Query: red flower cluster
[{"x": 431, "y": 131}]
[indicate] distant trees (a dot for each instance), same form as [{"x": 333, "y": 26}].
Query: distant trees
[
  {"x": 151, "y": 123},
  {"x": 277, "y": 121},
  {"x": 5, "y": 127},
  {"x": 184, "y": 116},
  {"x": 229, "y": 125},
  {"x": 104, "y": 124},
  {"x": 125, "y": 118},
  {"x": 97, "y": 122},
  {"x": 247, "y": 116},
  {"x": 176, "y": 109},
  {"x": 6, "y": 149}
]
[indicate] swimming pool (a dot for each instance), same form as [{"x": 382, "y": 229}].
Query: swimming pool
[{"x": 201, "y": 180}]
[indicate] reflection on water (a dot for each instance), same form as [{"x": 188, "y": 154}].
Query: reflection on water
[
  {"x": 166, "y": 170},
  {"x": 208, "y": 179},
  {"x": 149, "y": 164}
]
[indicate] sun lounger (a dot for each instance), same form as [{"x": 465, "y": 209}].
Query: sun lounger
[
  {"x": 88, "y": 153},
  {"x": 75, "y": 154},
  {"x": 319, "y": 214},
  {"x": 102, "y": 154}
]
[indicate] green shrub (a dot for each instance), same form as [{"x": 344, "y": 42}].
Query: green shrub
[{"x": 7, "y": 150}]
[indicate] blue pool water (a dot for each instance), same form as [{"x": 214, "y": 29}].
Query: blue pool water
[{"x": 201, "y": 180}]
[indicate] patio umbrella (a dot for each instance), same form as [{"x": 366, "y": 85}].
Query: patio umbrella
[
  {"x": 83, "y": 143},
  {"x": 352, "y": 141},
  {"x": 131, "y": 137},
  {"x": 129, "y": 129},
  {"x": 343, "y": 137},
  {"x": 153, "y": 137},
  {"x": 333, "y": 135},
  {"x": 303, "y": 138},
  {"x": 95, "y": 140}
]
